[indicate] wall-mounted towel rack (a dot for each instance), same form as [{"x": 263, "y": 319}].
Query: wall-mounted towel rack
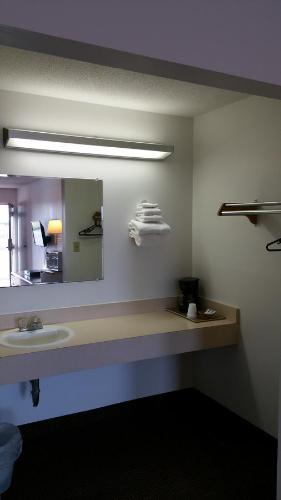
[{"x": 250, "y": 210}]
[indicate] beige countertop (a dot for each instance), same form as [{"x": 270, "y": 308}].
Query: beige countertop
[
  {"x": 119, "y": 328},
  {"x": 118, "y": 339}
]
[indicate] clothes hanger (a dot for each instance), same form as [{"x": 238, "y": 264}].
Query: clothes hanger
[
  {"x": 278, "y": 242},
  {"x": 95, "y": 229}
]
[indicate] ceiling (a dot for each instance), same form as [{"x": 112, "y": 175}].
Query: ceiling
[{"x": 41, "y": 74}]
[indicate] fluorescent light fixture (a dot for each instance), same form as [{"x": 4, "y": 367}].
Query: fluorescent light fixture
[
  {"x": 90, "y": 146},
  {"x": 3, "y": 175}
]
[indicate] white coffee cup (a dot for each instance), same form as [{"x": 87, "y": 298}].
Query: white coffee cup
[{"x": 192, "y": 311}]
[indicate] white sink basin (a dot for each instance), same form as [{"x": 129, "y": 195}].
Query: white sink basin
[{"x": 49, "y": 336}]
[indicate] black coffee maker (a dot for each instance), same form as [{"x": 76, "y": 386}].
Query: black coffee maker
[{"x": 189, "y": 293}]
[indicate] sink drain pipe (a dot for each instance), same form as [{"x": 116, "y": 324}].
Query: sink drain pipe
[{"x": 35, "y": 391}]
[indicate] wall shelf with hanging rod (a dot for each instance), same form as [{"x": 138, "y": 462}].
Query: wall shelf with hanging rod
[{"x": 250, "y": 210}]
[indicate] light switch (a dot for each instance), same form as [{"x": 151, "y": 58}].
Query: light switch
[{"x": 76, "y": 246}]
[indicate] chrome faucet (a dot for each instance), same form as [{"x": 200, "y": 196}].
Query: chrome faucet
[
  {"x": 30, "y": 324},
  {"x": 35, "y": 323}
]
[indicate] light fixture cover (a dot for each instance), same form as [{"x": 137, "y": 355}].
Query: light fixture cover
[
  {"x": 55, "y": 226},
  {"x": 90, "y": 146}
]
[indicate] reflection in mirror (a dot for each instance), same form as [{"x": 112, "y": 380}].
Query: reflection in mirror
[{"x": 50, "y": 230}]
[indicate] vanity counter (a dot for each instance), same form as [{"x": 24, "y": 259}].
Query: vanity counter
[{"x": 117, "y": 339}]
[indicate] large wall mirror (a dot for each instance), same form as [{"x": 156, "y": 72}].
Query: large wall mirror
[{"x": 51, "y": 230}]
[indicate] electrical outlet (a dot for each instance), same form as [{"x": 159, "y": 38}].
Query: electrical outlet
[{"x": 76, "y": 246}]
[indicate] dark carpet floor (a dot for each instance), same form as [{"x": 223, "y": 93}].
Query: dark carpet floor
[{"x": 180, "y": 445}]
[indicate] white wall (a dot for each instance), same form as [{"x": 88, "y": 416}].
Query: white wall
[
  {"x": 129, "y": 272},
  {"x": 82, "y": 391},
  {"x": 237, "y": 157},
  {"x": 235, "y": 37}
]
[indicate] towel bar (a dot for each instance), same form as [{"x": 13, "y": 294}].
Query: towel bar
[{"x": 250, "y": 210}]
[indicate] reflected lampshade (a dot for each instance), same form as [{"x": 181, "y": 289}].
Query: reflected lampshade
[{"x": 55, "y": 226}]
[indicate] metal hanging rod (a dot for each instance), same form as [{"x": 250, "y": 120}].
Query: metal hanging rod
[{"x": 250, "y": 210}]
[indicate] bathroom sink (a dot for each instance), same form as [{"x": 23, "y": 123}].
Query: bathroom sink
[{"x": 49, "y": 336}]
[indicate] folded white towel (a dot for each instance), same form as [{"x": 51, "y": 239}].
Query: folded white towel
[
  {"x": 149, "y": 218},
  {"x": 146, "y": 204},
  {"x": 151, "y": 228},
  {"x": 149, "y": 211},
  {"x": 147, "y": 240}
]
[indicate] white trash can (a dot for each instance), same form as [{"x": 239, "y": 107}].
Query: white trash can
[{"x": 10, "y": 450}]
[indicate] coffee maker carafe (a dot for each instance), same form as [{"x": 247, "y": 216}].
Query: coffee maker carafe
[{"x": 189, "y": 293}]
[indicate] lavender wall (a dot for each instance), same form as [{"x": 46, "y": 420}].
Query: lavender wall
[
  {"x": 8, "y": 196},
  {"x": 40, "y": 200},
  {"x": 240, "y": 38}
]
